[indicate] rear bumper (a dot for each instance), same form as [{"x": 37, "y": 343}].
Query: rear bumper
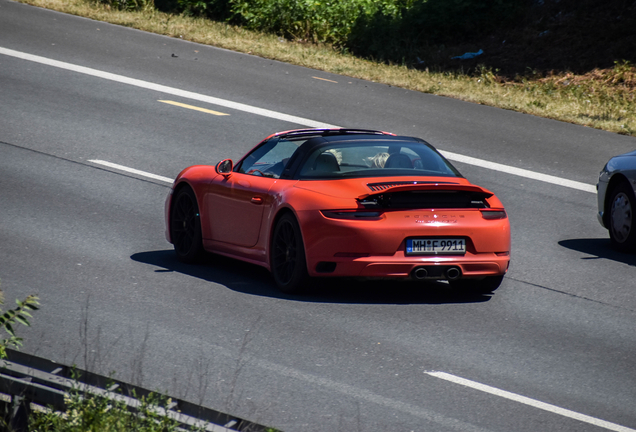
[
  {"x": 401, "y": 266},
  {"x": 377, "y": 248}
]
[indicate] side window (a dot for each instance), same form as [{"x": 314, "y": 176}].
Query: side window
[{"x": 270, "y": 159}]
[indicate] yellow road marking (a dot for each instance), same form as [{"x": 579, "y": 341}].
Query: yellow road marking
[
  {"x": 325, "y": 79},
  {"x": 192, "y": 107}
]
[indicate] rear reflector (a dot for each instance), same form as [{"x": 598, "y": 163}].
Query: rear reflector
[
  {"x": 349, "y": 214},
  {"x": 493, "y": 214}
]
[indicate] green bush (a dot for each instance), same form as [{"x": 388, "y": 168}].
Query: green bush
[
  {"x": 322, "y": 21},
  {"x": 21, "y": 314},
  {"x": 392, "y": 30},
  {"x": 218, "y": 10},
  {"x": 130, "y": 5},
  {"x": 91, "y": 413}
]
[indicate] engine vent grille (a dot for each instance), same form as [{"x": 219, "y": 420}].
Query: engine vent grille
[
  {"x": 426, "y": 200},
  {"x": 379, "y": 187}
]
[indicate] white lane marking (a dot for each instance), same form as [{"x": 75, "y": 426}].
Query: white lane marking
[
  {"x": 532, "y": 402},
  {"x": 519, "y": 172},
  {"x": 359, "y": 394},
  {"x": 284, "y": 117},
  {"x": 165, "y": 89},
  {"x": 132, "y": 170}
]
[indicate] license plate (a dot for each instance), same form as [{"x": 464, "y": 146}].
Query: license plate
[{"x": 436, "y": 246}]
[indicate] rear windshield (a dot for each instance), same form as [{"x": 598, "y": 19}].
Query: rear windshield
[{"x": 374, "y": 159}]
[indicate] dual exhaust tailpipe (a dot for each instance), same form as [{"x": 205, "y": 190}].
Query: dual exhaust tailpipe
[{"x": 437, "y": 272}]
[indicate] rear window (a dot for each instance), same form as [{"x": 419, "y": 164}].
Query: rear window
[{"x": 375, "y": 159}]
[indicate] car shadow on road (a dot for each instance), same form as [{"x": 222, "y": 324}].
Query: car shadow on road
[
  {"x": 599, "y": 248},
  {"x": 254, "y": 280}
]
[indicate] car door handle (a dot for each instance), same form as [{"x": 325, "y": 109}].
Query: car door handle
[{"x": 257, "y": 200}]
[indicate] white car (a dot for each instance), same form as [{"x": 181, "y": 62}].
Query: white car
[{"x": 616, "y": 191}]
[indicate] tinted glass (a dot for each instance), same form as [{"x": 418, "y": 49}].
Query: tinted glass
[
  {"x": 270, "y": 159},
  {"x": 375, "y": 159}
]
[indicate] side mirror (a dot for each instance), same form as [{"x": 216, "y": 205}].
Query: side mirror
[{"x": 225, "y": 167}]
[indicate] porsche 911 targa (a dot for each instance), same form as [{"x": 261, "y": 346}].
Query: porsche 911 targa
[{"x": 320, "y": 203}]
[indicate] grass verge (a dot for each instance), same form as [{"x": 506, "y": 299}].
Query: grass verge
[{"x": 602, "y": 99}]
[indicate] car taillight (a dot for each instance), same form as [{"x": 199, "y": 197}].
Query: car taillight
[
  {"x": 352, "y": 214},
  {"x": 493, "y": 214}
]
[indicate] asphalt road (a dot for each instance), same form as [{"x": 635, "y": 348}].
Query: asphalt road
[{"x": 555, "y": 344}]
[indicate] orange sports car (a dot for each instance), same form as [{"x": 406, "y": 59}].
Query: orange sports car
[{"x": 317, "y": 203}]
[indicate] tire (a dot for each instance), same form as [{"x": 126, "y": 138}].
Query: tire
[
  {"x": 185, "y": 226},
  {"x": 486, "y": 285},
  {"x": 622, "y": 222},
  {"x": 288, "y": 264}
]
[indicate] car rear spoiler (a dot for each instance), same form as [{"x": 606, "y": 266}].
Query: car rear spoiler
[{"x": 425, "y": 187}]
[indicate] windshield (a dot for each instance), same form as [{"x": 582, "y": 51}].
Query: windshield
[{"x": 374, "y": 159}]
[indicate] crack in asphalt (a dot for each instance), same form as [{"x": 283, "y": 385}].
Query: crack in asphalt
[
  {"x": 571, "y": 295},
  {"x": 87, "y": 164}
]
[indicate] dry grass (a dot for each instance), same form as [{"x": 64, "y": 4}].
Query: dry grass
[{"x": 602, "y": 99}]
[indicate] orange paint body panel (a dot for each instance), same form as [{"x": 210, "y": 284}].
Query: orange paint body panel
[{"x": 383, "y": 242}]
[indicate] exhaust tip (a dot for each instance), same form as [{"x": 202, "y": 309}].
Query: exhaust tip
[
  {"x": 453, "y": 273},
  {"x": 420, "y": 273}
]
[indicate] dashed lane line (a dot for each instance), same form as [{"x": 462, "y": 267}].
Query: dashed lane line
[
  {"x": 325, "y": 79},
  {"x": 531, "y": 402},
  {"x": 131, "y": 170},
  {"x": 194, "y": 108}
]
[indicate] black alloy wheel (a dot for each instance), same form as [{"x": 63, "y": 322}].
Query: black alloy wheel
[
  {"x": 288, "y": 263},
  {"x": 185, "y": 226},
  {"x": 622, "y": 222}
]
